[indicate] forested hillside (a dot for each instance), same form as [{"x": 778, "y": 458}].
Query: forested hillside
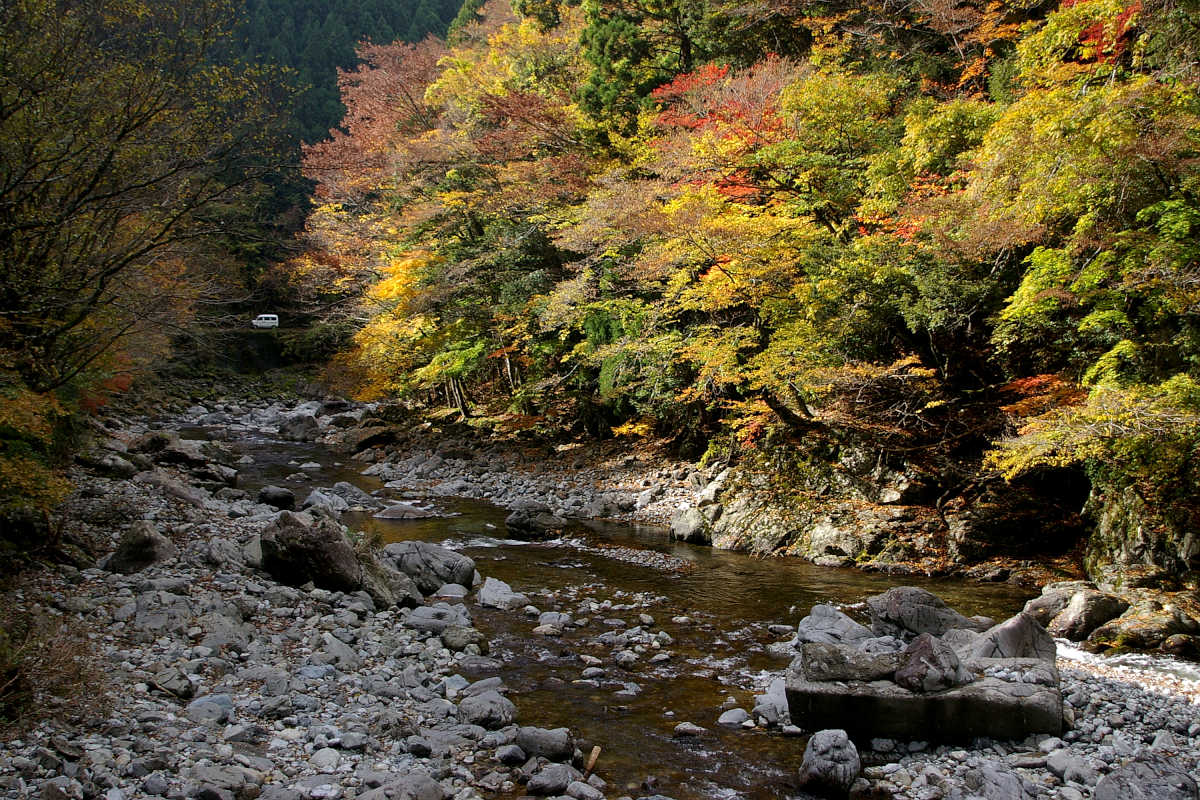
[
  {"x": 315, "y": 39},
  {"x": 956, "y": 241}
]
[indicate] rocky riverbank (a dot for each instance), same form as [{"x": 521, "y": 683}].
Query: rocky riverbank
[
  {"x": 225, "y": 683},
  {"x": 1138, "y": 607},
  {"x": 229, "y": 684}
]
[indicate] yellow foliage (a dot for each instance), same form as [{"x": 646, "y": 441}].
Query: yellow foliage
[
  {"x": 28, "y": 482},
  {"x": 402, "y": 276},
  {"x": 29, "y": 415},
  {"x": 636, "y": 428},
  {"x": 27, "y": 423},
  {"x": 1140, "y": 431}
]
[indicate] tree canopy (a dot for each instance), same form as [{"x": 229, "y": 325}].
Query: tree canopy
[{"x": 954, "y": 229}]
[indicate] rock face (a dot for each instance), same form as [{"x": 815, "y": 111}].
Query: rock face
[
  {"x": 1087, "y": 610},
  {"x": 1123, "y": 538},
  {"x": 296, "y": 549},
  {"x": 831, "y": 763},
  {"x": 1147, "y": 624},
  {"x": 429, "y": 565},
  {"x": 947, "y": 688},
  {"x": 139, "y": 547}
]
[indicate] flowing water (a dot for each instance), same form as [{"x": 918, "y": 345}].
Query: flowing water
[{"x": 718, "y": 658}]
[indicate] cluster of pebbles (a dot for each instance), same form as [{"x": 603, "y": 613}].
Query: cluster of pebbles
[{"x": 226, "y": 685}]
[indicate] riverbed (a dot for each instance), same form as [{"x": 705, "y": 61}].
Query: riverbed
[{"x": 716, "y": 606}]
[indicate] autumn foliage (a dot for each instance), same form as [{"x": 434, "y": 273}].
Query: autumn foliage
[{"x": 949, "y": 229}]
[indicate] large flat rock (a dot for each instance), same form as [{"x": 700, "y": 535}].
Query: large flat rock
[{"x": 990, "y": 706}]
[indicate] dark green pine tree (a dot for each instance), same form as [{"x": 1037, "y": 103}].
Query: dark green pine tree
[
  {"x": 468, "y": 13},
  {"x": 424, "y": 21},
  {"x": 635, "y": 46}
]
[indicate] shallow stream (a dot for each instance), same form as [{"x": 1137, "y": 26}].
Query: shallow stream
[{"x": 717, "y": 659}]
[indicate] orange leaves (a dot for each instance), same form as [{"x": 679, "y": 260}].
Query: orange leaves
[
  {"x": 741, "y": 106},
  {"x": 672, "y": 95},
  {"x": 385, "y": 106},
  {"x": 1041, "y": 393},
  {"x": 1104, "y": 41}
]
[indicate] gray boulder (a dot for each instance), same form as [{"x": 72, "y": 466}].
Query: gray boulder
[
  {"x": 1071, "y": 767},
  {"x": 297, "y": 549},
  {"x": 552, "y": 779},
  {"x": 108, "y": 463},
  {"x": 277, "y": 496},
  {"x": 733, "y": 718},
  {"x": 326, "y": 500},
  {"x": 415, "y": 785},
  {"x": 908, "y": 611},
  {"x": 533, "y": 524},
  {"x": 490, "y": 710},
  {"x": 174, "y": 681},
  {"x": 555, "y": 744},
  {"x": 556, "y": 618},
  {"x": 1087, "y": 610},
  {"x": 827, "y": 625},
  {"x": 1054, "y": 599},
  {"x": 837, "y": 662},
  {"x": 437, "y": 618},
  {"x": 498, "y": 594},
  {"x": 429, "y": 565},
  {"x": 690, "y": 525},
  {"x": 389, "y": 586},
  {"x": 356, "y": 497},
  {"x": 1149, "y": 776},
  {"x": 991, "y": 781},
  {"x": 988, "y": 706},
  {"x": 931, "y": 665},
  {"x": 212, "y": 709},
  {"x": 140, "y": 546},
  {"x": 405, "y": 511},
  {"x": 1018, "y": 637},
  {"x": 457, "y": 638},
  {"x": 299, "y": 428},
  {"x": 772, "y": 707},
  {"x": 510, "y": 755},
  {"x": 831, "y": 763}
]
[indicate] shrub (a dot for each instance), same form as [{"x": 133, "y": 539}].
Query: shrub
[{"x": 48, "y": 668}]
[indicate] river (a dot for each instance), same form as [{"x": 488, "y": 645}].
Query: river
[{"x": 716, "y": 606}]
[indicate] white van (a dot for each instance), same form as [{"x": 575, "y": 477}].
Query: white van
[{"x": 265, "y": 321}]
